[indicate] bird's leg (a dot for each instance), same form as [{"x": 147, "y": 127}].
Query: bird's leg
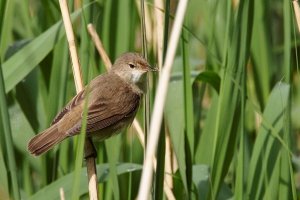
[{"x": 89, "y": 149}]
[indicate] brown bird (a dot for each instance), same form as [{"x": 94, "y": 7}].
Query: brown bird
[{"x": 113, "y": 100}]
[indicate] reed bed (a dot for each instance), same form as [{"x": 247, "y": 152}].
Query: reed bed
[{"x": 227, "y": 126}]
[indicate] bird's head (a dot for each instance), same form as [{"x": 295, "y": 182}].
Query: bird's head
[{"x": 132, "y": 68}]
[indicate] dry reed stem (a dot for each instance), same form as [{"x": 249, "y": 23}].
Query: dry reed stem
[
  {"x": 168, "y": 162},
  {"x": 107, "y": 63},
  {"x": 72, "y": 47},
  {"x": 160, "y": 97},
  {"x": 148, "y": 24},
  {"x": 61, "y": 193},
  {"x": 90, "y": 161},
  {"x": 139, "y": 131},
  {"x": 99, "y": 46},
  {"x": 297, "y": 13}
]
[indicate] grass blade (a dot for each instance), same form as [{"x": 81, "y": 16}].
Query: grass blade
[
  {"x": 229, "y": 107},
  {"x": 188, "y": 109},
  {"x": 113, "y": 155},
  {"x": 11, "y": 161},
  {"x": 266, "y": 150}
]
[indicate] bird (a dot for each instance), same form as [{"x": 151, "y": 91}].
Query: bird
[{"x": 113, "y": 99}]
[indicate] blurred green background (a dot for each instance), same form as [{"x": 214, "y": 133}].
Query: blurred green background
[{"x": 232, "y": 109}]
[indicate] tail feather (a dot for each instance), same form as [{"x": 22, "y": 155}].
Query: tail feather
[{"x": 45, "y": 140}]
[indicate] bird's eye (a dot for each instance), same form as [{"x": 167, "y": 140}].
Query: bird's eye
[{"x": 131, "y": 65}]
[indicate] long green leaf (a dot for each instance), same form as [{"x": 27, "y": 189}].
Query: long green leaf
[
  {"x": 267, "y": 146},
  {"x": 211, "y": 78},
  {"x": 113, "y": 155},
  {"x": 24, "y": 61},
  {"x": 79, "y": 150},
  {"x": 7, "y": 13},
  {"x": 3, "y": 177},
  {"x": 10, "y": 159},
  {"x": 288, "y": 189},
  {"x": 65, "y": 182},
  {"x": 188, "y": 110},
  {"x": 262, "y": 57}
]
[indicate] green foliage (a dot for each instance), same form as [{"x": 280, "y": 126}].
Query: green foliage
[{"x": 232, "y": 108}]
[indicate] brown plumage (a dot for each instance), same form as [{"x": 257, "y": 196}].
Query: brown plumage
[{"x": 113, "y": 100}]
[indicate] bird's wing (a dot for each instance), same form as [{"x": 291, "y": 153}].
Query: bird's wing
[
  {"x": 125, "y": 107},
  {"x": 78, "y": 99},
  {"x": 103, "y": 111}
]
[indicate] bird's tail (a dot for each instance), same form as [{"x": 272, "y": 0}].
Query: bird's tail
[{"x": 45, "y": 140}]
